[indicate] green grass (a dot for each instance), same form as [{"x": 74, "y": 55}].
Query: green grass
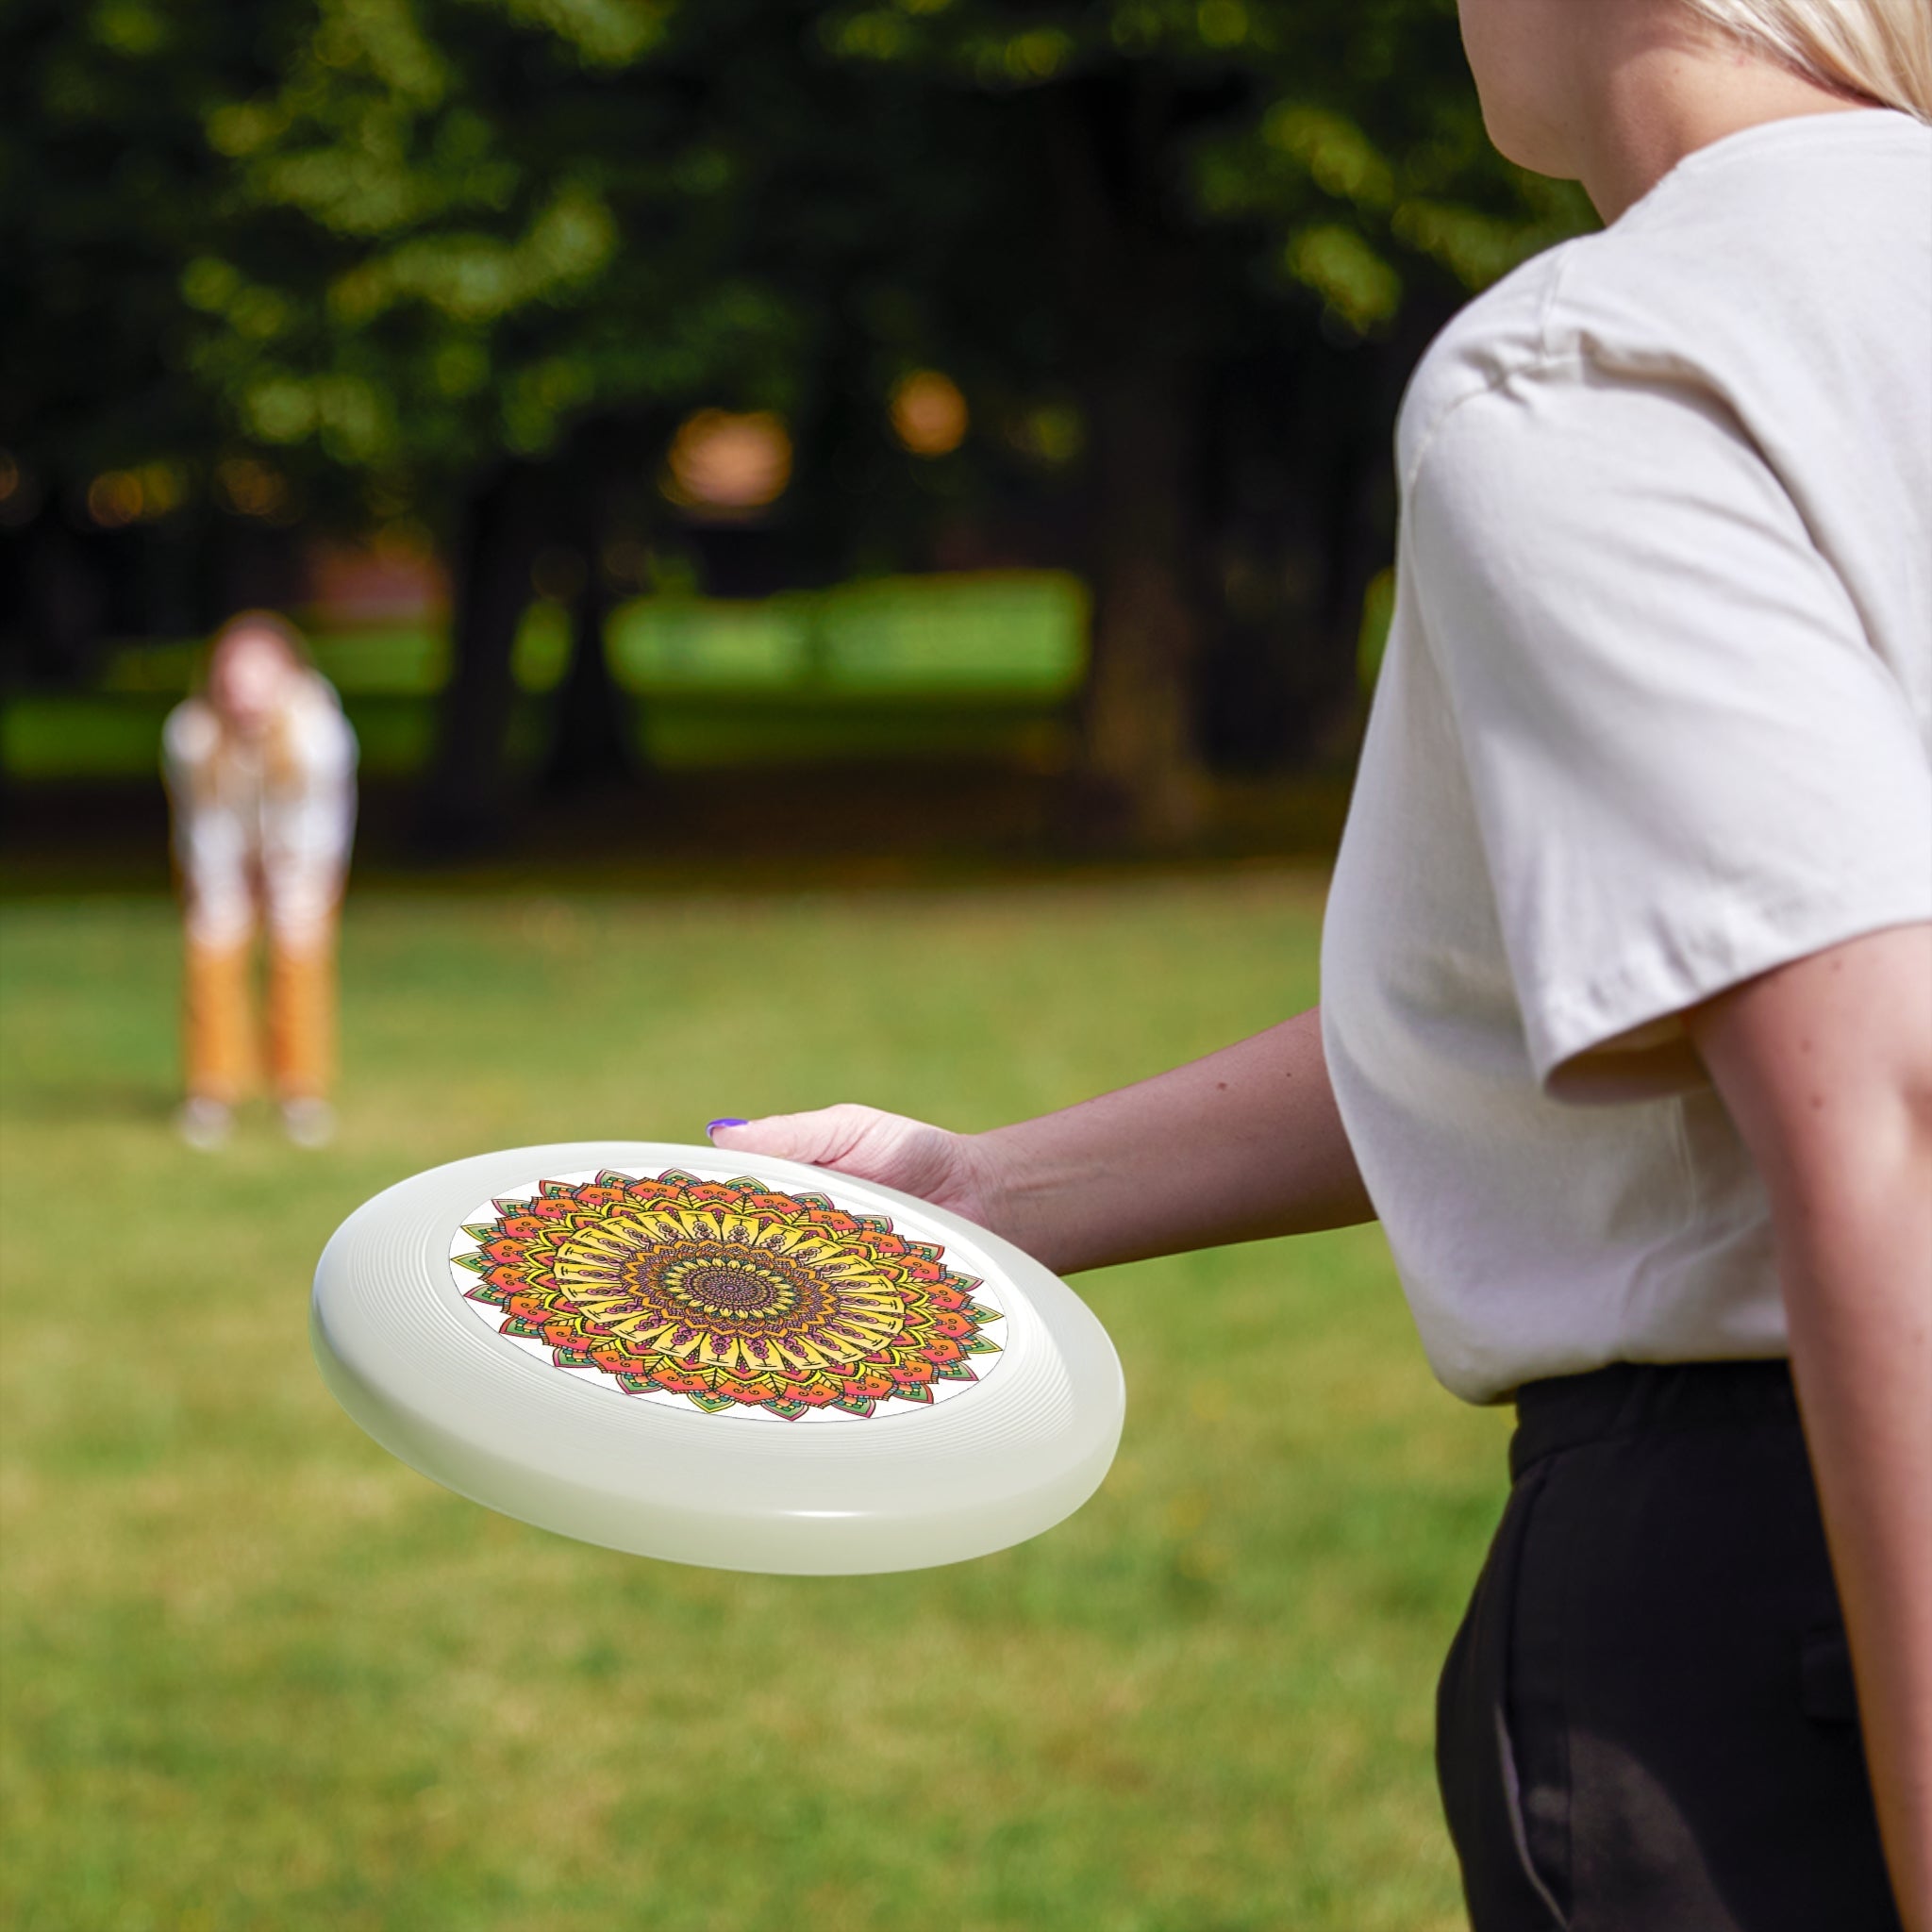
[
  {"x": 259, "y": 1675},
  {"x": 113, "y": 734},
  {"x": 983, "y": 665}
]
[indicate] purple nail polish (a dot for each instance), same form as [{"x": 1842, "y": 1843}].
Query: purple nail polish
[{"x": 714, "y": 1125}]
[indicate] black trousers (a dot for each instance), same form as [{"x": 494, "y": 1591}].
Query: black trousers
[{"x": 1646, "y": 1722}]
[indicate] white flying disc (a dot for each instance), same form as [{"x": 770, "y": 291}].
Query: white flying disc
[{"x": 717, "y": 1358}]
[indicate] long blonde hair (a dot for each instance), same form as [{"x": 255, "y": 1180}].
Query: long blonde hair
[{"x": 1879, "y": 50}]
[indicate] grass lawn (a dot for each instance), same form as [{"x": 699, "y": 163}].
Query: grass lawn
[{"x": 259, "y": 1675}]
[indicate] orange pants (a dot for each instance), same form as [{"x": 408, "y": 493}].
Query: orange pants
[{"x": 222, "y": 1046}]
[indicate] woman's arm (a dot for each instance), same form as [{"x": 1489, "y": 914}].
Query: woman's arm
[
  {"x": 1240, "y": 1145},
  {"x": 1827, "y": 1068}
]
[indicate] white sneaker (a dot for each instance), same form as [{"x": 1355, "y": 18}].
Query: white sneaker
[
  {"x": 204, "y": 1124},
  {"x": 309, "y": 1122}
]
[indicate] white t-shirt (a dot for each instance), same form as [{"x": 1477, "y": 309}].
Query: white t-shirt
[
  {"x": 1656, "y": 716},
  {"x": 245, "y": 831}
]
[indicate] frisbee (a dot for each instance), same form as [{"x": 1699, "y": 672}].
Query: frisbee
[{"x": 717, "y": 1358}]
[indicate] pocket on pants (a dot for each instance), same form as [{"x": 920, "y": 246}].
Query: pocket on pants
[{"x": 1476, "y": 1758}]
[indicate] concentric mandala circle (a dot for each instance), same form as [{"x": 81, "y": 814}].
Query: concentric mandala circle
[{"x": 726, "y": 1296}]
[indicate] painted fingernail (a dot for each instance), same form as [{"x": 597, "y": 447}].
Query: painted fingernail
[{"x": 713, "y": 1127}]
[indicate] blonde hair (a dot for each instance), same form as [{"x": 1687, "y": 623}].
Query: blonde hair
[
  {"x": 282, "y": 767},
  {"x": 1879, "y": 50},
  {"x": 244, "y": 623}
]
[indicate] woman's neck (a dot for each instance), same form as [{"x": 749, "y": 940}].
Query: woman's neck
[{"x": 1657, "y": 96}]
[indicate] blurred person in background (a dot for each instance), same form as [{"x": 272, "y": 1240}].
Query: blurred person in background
[
  {"x": 261, "y": 767},
  {"x": 1627, "y": 1022}
]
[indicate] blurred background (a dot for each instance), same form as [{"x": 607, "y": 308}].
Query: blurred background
[{"x": 855, "y": 540}]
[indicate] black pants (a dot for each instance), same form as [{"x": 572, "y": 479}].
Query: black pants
[{"x": 1646, "y": 1722}]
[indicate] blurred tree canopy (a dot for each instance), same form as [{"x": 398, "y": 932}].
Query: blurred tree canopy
[{"x": 467, "y": 264}]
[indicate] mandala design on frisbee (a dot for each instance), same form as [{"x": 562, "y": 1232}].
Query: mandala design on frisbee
[{"x": 727, "y": 1296}]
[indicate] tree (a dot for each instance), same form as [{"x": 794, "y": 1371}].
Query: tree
[
  {"x": 1217, "y": 201},
  {"x": 490, "y": 238},
  {"x": 110, "y": 191},
  {"x": 469, "y": 261}
]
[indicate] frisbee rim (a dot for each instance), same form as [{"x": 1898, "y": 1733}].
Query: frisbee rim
[{"x": 992, "y": 1467}]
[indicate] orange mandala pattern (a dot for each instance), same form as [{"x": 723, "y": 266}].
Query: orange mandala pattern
[{"x": 728, "y": 1294}]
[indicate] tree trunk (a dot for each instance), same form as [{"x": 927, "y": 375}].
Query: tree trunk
[
  {"x": 62, "y": 600},
  {"x": 1133, "y": 309},
  {"x": 467, "y": 802},
  {"x": 1357, "y": 484},
  {"x": 1141, "y": 741},
  {"x": 593, "y": 744},
  {"x": 591, "y": 741}
]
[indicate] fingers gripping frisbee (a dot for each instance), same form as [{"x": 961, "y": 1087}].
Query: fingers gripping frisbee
[{"x": 719, "y": 1358}]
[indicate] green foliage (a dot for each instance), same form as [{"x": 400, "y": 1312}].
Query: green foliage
[
  {"x": 107, "y": 189},
  {"x": 395, "y": 238},
  {"x": 1347, "y": 133},
  {"x": 261, "y": 1675},
  {"x": 498, "y": 239}
]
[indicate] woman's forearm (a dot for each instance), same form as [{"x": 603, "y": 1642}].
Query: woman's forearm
[
  {"x": 1858, "y": 1297},
  {"x": 1243, "y": 1144},
  {"x": 1827, "y": 1068}
]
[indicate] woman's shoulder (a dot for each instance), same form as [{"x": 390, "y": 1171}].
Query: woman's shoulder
[
  {"x": 192, "y": 734},
  {"x": 321, "y": 735},
  {"x": 1500, "y": 334},
  {"x": 1755, "y": 266},
  {"x": 316, "y": 696}
]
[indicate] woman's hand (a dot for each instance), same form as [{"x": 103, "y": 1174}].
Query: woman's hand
[
  {"x": 949, "y": 1170},
  {"x": 1239, "y": 1146}
]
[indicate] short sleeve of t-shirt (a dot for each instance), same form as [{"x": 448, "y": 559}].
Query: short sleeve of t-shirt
[{"x": 1686, "y": 762}]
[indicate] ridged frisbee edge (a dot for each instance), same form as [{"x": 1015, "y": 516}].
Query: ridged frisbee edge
[
  {"x": 789, "y": 1540},
  {"x": 869, "y": 1542}
]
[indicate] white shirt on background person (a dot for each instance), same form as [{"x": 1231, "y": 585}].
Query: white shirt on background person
[{"x": 251, "y": 840}]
